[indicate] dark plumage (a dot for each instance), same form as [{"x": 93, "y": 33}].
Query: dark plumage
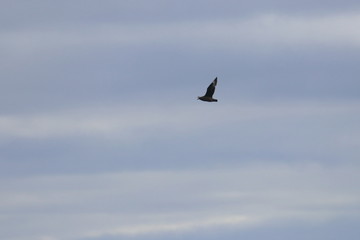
[{"x": 209, "y": 93}]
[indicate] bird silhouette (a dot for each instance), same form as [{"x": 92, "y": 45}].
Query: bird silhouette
[{"x": 208, "y": 97}]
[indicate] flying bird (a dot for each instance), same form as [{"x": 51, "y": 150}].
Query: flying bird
[{"x": 208, "y": 97}]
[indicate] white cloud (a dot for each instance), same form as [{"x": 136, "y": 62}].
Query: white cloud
[
  {"x": 175, "y": 226},
  {"x": 254, "y": 32},
  {"x": 157, "y": 202},
  {"x": 127, "y": 121},
  {"x": 122, "y": 121}
]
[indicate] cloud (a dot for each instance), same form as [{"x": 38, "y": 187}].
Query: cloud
[
  {"x": 24, "y": 13},
  {"x": 173, "y": 227},
  {"x": 258, "y": 31},
  {"x": 112, "y": 121},
  {"x": 101, "y": 136},
  {"x": 261, "y": 56},
  {"x": 143, "y": 203},
  {"x": 177, "y": 136},
  {"x": 107, "y": 121}
]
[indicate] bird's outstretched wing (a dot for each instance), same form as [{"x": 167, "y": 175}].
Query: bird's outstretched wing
[{"x": 211, "y": 89}]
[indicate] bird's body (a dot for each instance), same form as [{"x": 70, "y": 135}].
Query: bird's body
[{"x": 208, "y": 97}]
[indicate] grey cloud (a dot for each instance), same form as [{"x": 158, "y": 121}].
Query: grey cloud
[
  {"x": 337, "y": 229},
  {"x": 129, "y": 203},
  {"x": 259, "y": 58},
  {"x": 24, "y": 14},
  {"x": 177, "y": 137},
  {"x": 101, "y": 136}
]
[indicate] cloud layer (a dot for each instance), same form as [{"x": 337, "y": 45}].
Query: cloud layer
[
  {"x": 158, "y": 202},
  {"x": 178, "y": 136},
  {"x": 101, "y": 135}
]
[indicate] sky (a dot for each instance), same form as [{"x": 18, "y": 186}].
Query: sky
[{"x": 102, "y": 136}]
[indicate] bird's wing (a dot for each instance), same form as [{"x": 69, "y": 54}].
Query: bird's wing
[{"x": 211, "y": 89}]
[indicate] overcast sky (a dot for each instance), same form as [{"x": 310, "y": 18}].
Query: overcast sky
[{"x": 102, "y": 138}]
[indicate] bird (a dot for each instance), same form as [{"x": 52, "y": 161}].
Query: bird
[{"x": 208, "y": 97}]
